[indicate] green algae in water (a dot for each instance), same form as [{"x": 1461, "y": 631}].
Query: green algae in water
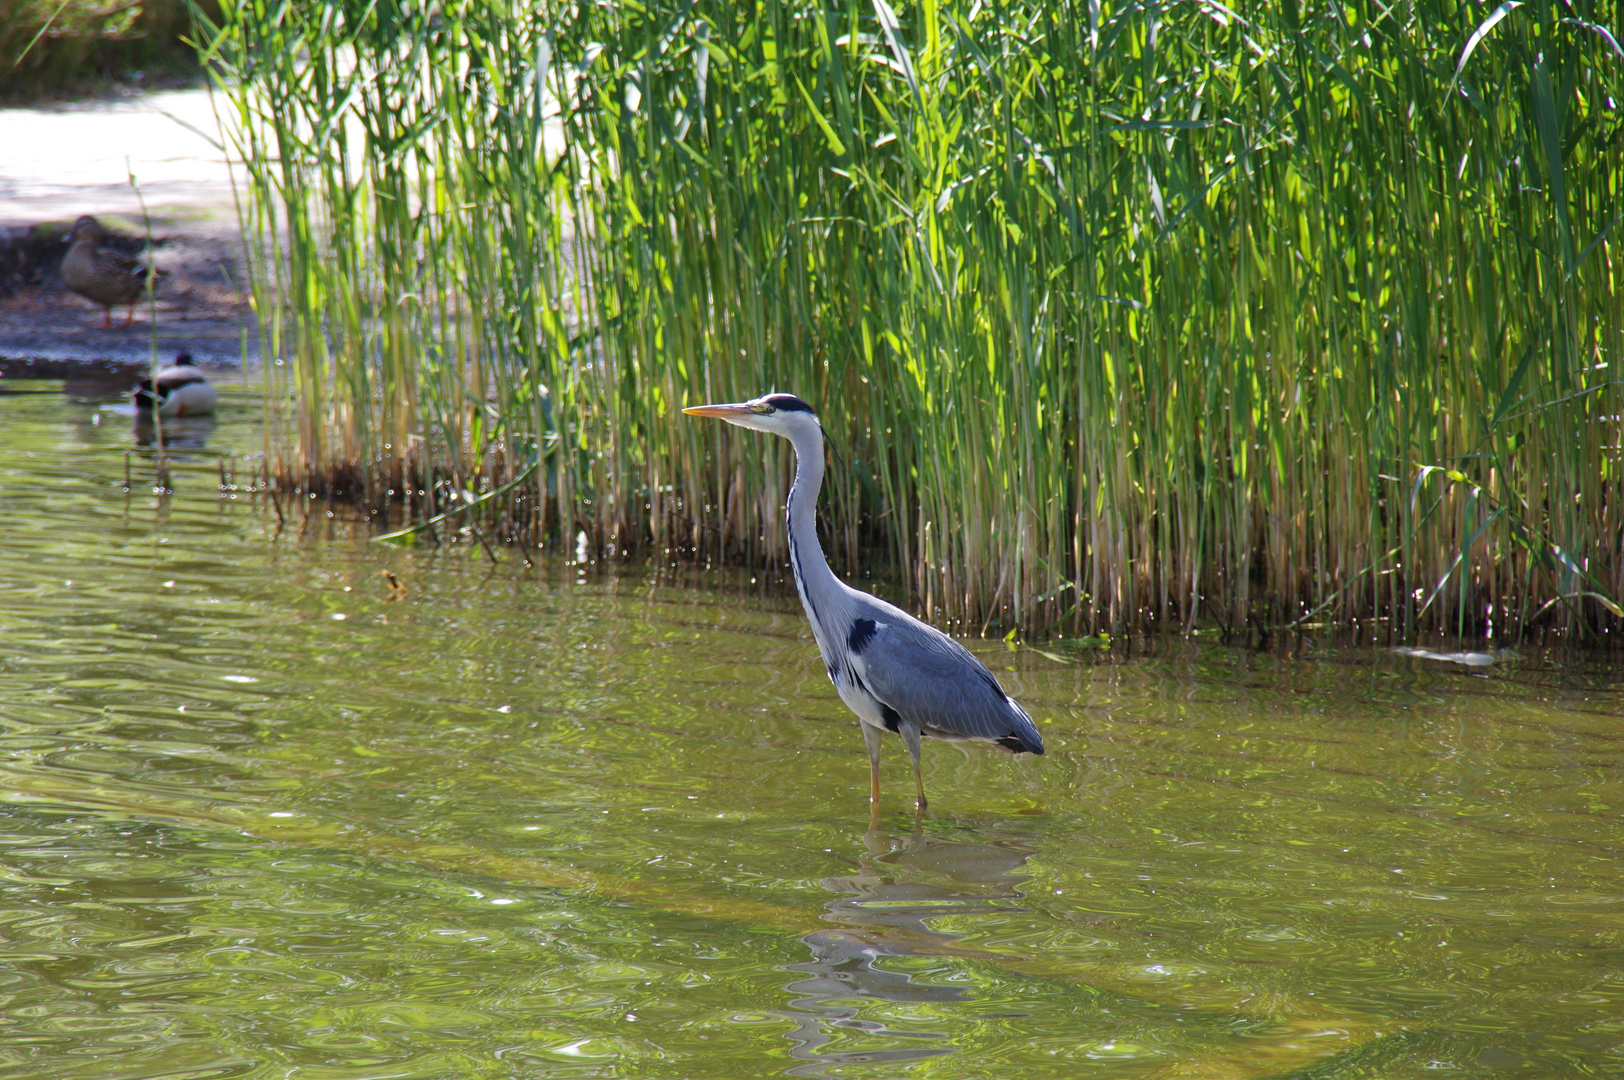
[{"x": 265, "y": 818}]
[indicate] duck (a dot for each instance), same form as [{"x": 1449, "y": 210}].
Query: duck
[
  {"x": 104, "y": 275},
  {"x": 182, "y": 390}
]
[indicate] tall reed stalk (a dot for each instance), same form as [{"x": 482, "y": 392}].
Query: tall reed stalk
[{"x": 1123, "y": 316}]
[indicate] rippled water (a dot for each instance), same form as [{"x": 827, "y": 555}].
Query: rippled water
[{"x": 261, "y": 819}]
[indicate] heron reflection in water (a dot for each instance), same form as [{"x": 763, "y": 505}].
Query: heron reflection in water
[
  {"x": 896, "y": 673},
  {"x": 839, "y": 1009}
]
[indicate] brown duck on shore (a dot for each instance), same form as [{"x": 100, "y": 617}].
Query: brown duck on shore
[{"x": 104, "y": 275}]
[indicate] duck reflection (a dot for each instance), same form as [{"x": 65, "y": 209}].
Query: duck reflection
[
  {"x": 882, "y": 911},
  {"x": 179, "y": 432}
]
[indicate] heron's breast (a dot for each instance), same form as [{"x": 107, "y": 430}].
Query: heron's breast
[{"x": 860, "y": 700}]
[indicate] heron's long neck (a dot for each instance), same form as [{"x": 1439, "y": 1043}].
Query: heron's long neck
[{"x": 813, "y": 577}]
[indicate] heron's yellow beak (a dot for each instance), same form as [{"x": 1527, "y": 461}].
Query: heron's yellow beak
[{"x": 720, "y": 412}]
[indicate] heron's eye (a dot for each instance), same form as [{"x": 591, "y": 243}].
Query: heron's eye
[{"x": 761, "y": 408}]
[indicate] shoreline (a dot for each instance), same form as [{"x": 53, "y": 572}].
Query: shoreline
[{"x": 78, "y": 158}]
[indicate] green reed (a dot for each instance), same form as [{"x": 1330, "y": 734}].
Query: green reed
[{"x": 1139, "y": 316}]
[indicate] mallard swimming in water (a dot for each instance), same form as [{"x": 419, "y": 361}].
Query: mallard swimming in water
[
  {"x": 103, "y": 275},
  {"x": 182, "y": 390}
]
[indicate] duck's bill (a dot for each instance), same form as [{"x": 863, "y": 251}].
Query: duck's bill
[{"x": 720, "y": 412}]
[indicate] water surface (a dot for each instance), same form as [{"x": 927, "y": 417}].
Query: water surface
[{"x": 265, "y": 817}]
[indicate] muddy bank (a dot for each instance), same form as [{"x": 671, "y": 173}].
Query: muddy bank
[{"x": 201, "y": 304}]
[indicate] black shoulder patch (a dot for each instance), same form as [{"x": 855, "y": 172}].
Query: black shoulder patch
[
  {"x": 786, "y": 403},
  {"x": 862, "y": 632}
]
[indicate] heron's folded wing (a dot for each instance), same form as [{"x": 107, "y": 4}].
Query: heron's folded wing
[{"x": 933, "y": 682}]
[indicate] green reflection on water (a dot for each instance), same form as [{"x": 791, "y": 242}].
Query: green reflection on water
[{"x": 261, "y": 820}]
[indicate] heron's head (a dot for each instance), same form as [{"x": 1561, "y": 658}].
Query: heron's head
[{"x": 780, "y": 414}]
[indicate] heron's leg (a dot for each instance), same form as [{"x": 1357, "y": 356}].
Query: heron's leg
[
  {"x": 910, "y": 736},
  {"x": 871, "y": 738}
]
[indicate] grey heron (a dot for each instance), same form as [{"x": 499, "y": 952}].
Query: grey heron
[{"x": 896, "y": 673}]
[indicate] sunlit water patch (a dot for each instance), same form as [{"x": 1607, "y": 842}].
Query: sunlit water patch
[{"x": 266, "y": 816}]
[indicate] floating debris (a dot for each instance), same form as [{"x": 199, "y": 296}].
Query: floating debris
[{"x": 1470, "y": 659}]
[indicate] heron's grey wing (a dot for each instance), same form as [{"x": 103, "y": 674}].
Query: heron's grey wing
[{"x": 932, "y": 681}]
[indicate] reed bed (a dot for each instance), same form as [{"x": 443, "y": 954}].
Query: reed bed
[{"x": 1122, "y": 316}]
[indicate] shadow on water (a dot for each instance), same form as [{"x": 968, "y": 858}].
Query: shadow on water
[
  {"x": 903, "y": 882},
  {"x": 99, "y": 385}
]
